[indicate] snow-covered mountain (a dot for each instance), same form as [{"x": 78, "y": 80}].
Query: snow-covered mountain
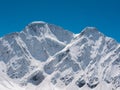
[{"x": 46, "y": 57}]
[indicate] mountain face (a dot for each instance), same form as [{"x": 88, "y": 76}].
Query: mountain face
[{"x": 46, "y": 57}]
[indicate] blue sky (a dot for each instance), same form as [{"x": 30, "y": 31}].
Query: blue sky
[{"x": 73, "y": 15}]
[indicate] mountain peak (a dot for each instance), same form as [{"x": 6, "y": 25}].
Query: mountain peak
[
  {"x": 41, "y": 28},
  {"x": 90, "y": 30},
  {"x": 36, "y": 28}
]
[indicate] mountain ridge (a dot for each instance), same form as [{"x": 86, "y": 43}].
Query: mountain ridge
[{"x": 44, "y": 53}]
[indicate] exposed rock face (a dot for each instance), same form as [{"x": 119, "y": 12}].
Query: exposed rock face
[{"x": 36, "y": 78}]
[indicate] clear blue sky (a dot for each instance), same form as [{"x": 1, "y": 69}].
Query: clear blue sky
[{"x": 73, "y": 15}]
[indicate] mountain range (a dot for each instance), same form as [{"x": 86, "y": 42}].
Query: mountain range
[{"x": 44, "y": 56}]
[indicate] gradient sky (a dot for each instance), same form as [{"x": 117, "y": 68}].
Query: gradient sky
[{"x": 73, "y": 15}]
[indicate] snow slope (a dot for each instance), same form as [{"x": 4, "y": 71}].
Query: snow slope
[{"x": 46, "y": 57}]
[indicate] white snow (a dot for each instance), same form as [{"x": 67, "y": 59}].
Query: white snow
[{"x": 61, "y": 57}]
